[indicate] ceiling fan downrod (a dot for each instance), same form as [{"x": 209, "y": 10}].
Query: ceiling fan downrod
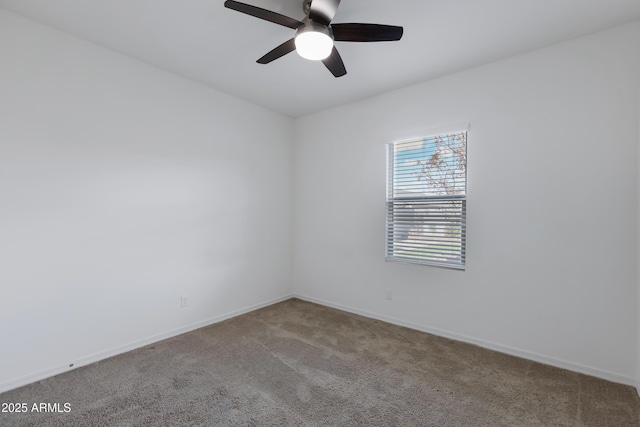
[{"x": 306, "y": 7}]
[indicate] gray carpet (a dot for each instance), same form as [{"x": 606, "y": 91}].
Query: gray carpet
[{"x": 297, "y": 363}]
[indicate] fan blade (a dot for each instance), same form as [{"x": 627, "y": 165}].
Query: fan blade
[
  {"x": 280, "y": 51},
  {"x": 323, "y": 11},
  {"x": 366, "y": 32},
  {"x": 265, "y": 14},
  {"x": 334, "y": 63}
]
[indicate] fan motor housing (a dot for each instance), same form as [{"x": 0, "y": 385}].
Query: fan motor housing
[{"x": 310, "y": 25}]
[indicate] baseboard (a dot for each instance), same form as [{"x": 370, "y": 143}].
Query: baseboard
[
  {"x": 96, "y": 357},
  {"x": 575, "y": 367}
]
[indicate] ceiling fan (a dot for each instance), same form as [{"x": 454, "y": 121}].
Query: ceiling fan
[{"x": 315, "y": 34}]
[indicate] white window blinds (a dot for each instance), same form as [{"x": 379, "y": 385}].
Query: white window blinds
[{"x": 426, "y": 200}]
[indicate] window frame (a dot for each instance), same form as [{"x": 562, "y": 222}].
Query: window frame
[{"x": 424, "y": 201}]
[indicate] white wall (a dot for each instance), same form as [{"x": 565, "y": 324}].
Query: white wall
[
  {"x": 123, "y": 187},
  {"x": 552, "y": 208},
  {"x": 638, "y": 264}
]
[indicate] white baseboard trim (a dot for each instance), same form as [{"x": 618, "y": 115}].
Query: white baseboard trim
[
  {"x": 570, "y": 366},
  {"x": 96, "y": 357}
]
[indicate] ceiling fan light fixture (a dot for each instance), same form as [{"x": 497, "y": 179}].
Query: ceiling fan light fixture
[
  {"x": 314, "y": 42},
  {"x": 316, "y": 33}
]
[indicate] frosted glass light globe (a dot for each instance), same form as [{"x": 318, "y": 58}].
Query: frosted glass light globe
[{"x": 313, "y": 45}]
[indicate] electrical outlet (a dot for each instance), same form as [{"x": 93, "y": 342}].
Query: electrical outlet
[
  {"x": 389, "y": 294},
  {"x": 183, "y": 301}
]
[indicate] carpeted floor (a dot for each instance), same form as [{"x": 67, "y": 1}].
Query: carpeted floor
[{"x": 297, "y": 363}]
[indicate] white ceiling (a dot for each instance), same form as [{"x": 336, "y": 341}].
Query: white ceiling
[{"x": 203, "y": 41}]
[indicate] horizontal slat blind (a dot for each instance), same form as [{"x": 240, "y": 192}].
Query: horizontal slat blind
[{"x": 426, "y": 200}]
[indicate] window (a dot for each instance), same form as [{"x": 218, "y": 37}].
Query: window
[{"x": 427, "y": 200}]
